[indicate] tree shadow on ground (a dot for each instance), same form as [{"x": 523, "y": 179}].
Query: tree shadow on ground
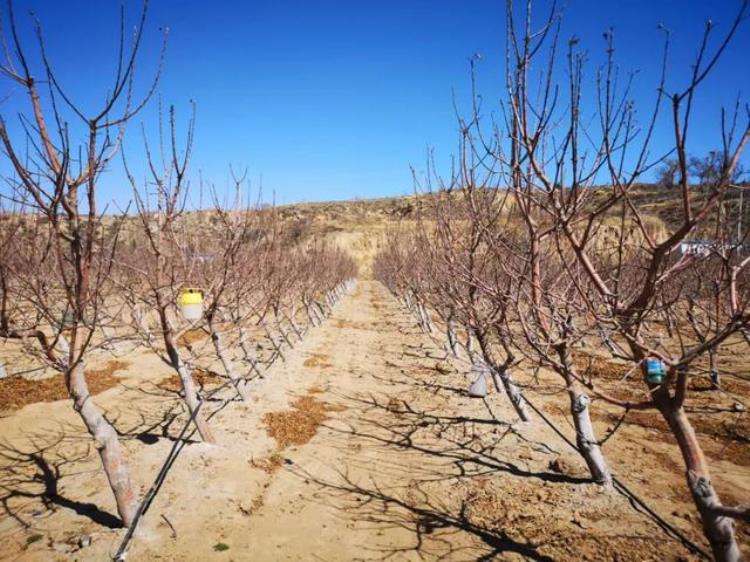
[
  {"x": 160, "y": 416},
  {"x": 452, "y": 438},
  {"x": 431, "y": 526},
  {"x": 30, "y": 478}
]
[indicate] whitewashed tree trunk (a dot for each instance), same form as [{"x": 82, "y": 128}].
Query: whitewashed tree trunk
[
  {"x": 501, "y": 376},
  {"x": 193, "y": 403},
  {"x": 310, "y": 317},
  {"x": 478, "y": 386},
  {"x": 248, "y": 355},
  {"x": 588, "y": 446},
  {"x": 107, "y": 444},
  {"x": 426, "y": 318},
  {"x": 504, "y": 377},
  {"x": 315, "y": 309},
  {"x": 608, "y": 341},
  {"x": 468, "y": 346},
  {"x": 719, "y": 529},
  {"x": 713, "y": 369},
  {"x": 188, "y": 386}
]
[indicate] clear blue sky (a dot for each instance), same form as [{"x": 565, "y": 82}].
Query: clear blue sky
[{"x": 332, "y": 100}]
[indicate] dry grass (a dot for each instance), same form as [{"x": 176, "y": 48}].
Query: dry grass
[
  {"x": 300, "y": 424},
  {"x": 201, "y": 377},
  {"x": 192, "y": 336},
  {"x": 270, "y": 464},
  {"x": 17, "y": 392},
  {"x": 317, "y": 360}
]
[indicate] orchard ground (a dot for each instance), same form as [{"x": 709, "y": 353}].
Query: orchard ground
[{"x": 362, "y": 445}]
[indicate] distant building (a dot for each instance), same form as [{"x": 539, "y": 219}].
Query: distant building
[
  {"x": 704, "y": 248},
  {"x": 697, "y": 247}
]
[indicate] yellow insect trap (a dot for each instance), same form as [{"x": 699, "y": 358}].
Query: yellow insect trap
[{"x": 191, "y": 304}]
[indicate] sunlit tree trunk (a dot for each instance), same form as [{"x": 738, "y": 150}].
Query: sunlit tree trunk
[
  {"x": 226, "y": 362},
  {"x": 106, "y": 441}
]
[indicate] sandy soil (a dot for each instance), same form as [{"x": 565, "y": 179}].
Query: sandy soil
[{"x": 392, "y": 460}]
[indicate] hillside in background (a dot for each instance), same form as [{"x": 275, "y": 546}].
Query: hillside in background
[{"x": 358, "y": 225}]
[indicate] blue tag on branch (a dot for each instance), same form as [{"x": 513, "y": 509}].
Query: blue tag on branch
[{"x": 655, "y": 371}]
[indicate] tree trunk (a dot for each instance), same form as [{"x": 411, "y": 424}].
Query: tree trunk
[
  {"x": 188, "y": 387},
  {"x": 516, "y": 398},
  {"x": 142, "y": 323},
  {"x": 248, "y": 355},
  {"x": 111, "y": 342},
  {"x": 276, "y": 346},
  {"x": 310, "y": 317},
  {"x": 193, "y": 403},
  {"x": 586, "y": 440},
  {"x": 426, "y": 318},
  {"x": 290, "y": 320},
  {"x": 607, "y": 341},
  {"x": 713, "y": 372},
  {"x": 316, "y": 309},
  {"x": 107, "y": 443},
  {"x": 468, "y": 345},
  {"x": 284, "y": 334},
  {"x": 421, "y": 319},
  {"x": 228, "y": 364},
  {"x": 719, "y": 529},
  {"x": 501, "y": 372},
  {"x": 452, "y": 341}
]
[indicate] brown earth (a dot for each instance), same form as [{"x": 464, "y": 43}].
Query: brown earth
[{"x": 363, "y": 445}]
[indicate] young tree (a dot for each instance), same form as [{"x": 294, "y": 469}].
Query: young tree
[
  {"x": 154, "y": 279},
  {"x": 226, "y": 250}
]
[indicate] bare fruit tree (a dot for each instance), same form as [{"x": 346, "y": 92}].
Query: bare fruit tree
[
  {"x": 154, "y": 281},
  {"x": 57, "y": 180},
  {"x": 622, "y": 287},
  {"x": 570, "y": 267}
]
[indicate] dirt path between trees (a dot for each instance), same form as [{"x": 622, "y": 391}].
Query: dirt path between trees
[{"x": 363, "y": 445}]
